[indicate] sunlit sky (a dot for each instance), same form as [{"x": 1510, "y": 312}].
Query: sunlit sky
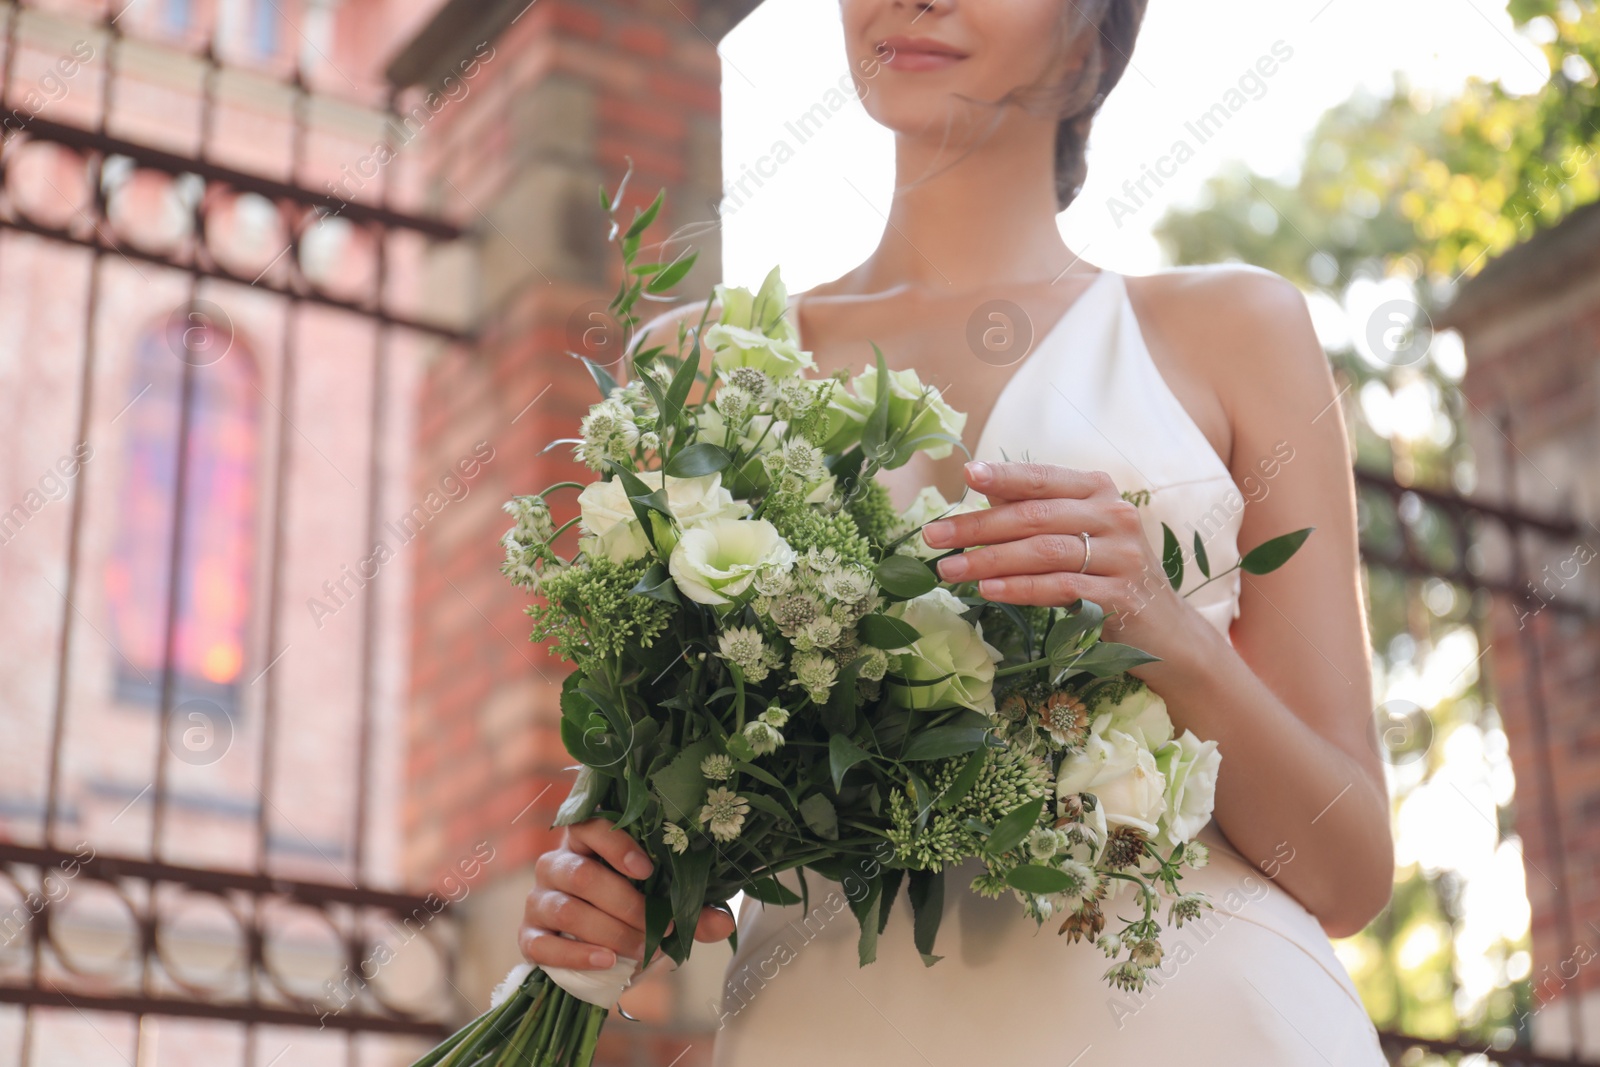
[{"x": 823, "y": 209}]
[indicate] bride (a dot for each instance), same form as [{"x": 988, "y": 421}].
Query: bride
[{"x": 1199, "y": 398}]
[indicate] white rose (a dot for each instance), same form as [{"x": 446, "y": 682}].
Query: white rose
[
  {"x": 716, "y": 561},
  {"x": 1190, "y": 767},
  {"x": 1141, "y": 713},
  {"x": 929, "y": 505},
  {"x": 948, "y": 644},
  {"x": 1122, "y": 775},
  {"x": 613, "y": 529}
]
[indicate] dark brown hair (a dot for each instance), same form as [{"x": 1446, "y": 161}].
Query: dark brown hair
[{"x": 1115, "y": 25}]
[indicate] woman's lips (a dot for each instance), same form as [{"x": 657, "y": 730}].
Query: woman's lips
[{"x": 918, "y": 53}]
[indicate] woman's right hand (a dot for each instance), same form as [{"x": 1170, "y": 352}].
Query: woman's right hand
[{"x": 581, "y": 893}]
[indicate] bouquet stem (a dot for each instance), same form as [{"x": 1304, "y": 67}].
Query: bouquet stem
[{"x": 539, "y": 1025}]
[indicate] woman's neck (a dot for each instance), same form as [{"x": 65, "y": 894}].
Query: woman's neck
[{"x": 963, "y": 224}]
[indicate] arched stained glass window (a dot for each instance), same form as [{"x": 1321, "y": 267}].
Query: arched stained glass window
[{"x": 217, "y": 553}]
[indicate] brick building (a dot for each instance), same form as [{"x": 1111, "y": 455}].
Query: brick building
[{"x": 1531, "y": 323}]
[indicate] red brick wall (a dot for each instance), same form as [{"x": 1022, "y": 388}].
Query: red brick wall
[{"x": 1533, "y": 388}]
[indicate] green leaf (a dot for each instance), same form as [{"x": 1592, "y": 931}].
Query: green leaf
[
  {"x": 886, "y": 632},
  {"x": 1200, "y": 559},
  {"x": 927, "y": 909},
  {"x": 843, "y": 754},
  {"x": 942, "y": 742},
  {"x": 672, "y": 273},
  {"x": 1011, "y": 830},
  {"x": 680, "y": 785},
  {"x": 1109, "y": 658},
  {"x": 657, "y": 584},
  {"x": 638, "y": 797},
  {"x": 819, "y": 814},
  {"x": 697, "y": 460},
  {"x": 905, "y": 576},
  {"x": 771, "y": 891},
  {"x": 762, "y": 802},
  {"x": 602, "y": 378},
  {"x": 866, "y": 912},
  {"x": 642, "y": 221},
  {"x": 1083, "y": 620},
  {"x": 1036, "y": 879},
  {"x": 964, "y": 780},
  {"x": 1268, "y": 556},
  {"x": 892, "y": 878},
  {"x": 875, "y": 433},
  {"x": 593, "y": 742},
  {"x": 1171, "y": 556},
  {"x": 839, "y": 714},
  {"x": 678, "y": 391},
  {"x": 584, "y": 798},
  {"x": 657, "y": 915},
  {"x": 690, "y": 871}
]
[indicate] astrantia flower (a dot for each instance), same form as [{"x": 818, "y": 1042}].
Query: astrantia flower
[
  {"x": 675, "y": 836},
  {"x": 847, "y": 584},
  {"x": 753, "y": 383},
  {"x": 1065, "y": 718},
  {"x": 718, "y": 767},
  {"x": 608, "y": 432},
  {"x": 1187, "y": 908},
  {"x": 745, "y": 648},
  {"x": 1146, "y": 953},
  {"x": 1196, "y": 855},
  {"x": 763, "y": 738},
  {"x": 874, "y": 664},
  {"x": 775, "y": 716},
  {"x": 724, "y": 813},
  {"x": 816, "y": 674},
  {"x": 1110, "y": 944},
  {"x": 1043, "y": 843},
  {"x": 1127, "y": 976},
  {"x": 716, "y": 561}
]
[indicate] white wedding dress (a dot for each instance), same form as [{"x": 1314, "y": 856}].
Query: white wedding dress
[{"x": 1253, "y": 984}]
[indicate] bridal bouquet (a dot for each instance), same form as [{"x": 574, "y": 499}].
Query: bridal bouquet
[{"x": 769, "y": 676}]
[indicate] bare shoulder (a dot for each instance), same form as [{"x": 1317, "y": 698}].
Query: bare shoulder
[{"x": 1245, "y": 330}]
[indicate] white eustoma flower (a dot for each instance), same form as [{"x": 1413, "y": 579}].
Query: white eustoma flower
[
  {"x": 948, "y": 645},
  {"x": 916, "y": 411},
  {"x": 715, "y": 562},
  {"x": 733, "y": 346},
  {"x": 762, "y": 311},
  {"x": 1121, "y": 774},
  {"x": 1190, "y": 766},
  {"x": 613, "y": 530}
]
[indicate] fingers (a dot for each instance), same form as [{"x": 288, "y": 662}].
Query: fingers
[
  {"x": 715, "y": 925},
  {"x": 601, "y": 838},
  {"x": 1032, "y": 481},
  {"x": 591, "y": 880},
  {"x": 1014, "y": 520},
  {"x": 1054, "y": 590},
  {"x": 1043, "y": 554},
  {"x": 553, "y": 911},
  {"x": 552, "y": 950}
]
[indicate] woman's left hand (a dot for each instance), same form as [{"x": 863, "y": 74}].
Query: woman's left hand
[{"x": 1033, "y": 550}]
